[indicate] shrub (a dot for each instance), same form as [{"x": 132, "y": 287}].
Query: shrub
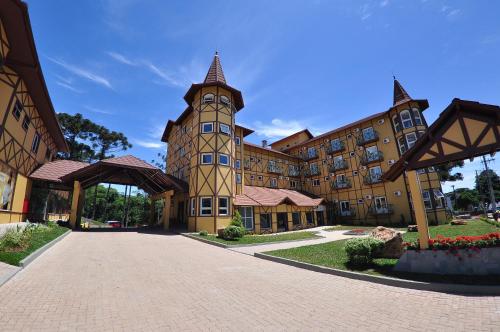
[
  {"x": 237, "y": 221},
  {"x": 232, "y": 232},
  {"x": 15, "y": 239},
  {"x": 459, "y": 242},
  {"x": 203, "y": 233},
  {"x": 361, "y": 251}
]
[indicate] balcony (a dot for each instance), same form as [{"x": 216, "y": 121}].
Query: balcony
[
  {"x": 338, "y": 165},
  {"x": 274, "y": 169},
  {"x": 366, "y": 138},
  {"x": 336, "y": 147},
  {"x": 371, "y": 157},
  {"x": 293, "y": 172},
  {"x": 372, "y": 179},
  {"x": 312, "y": 172},
  {"x": 341, "y": 184},
  {"x": 310, "y": 155},
  {"x": 346, "y": 213},
  {"x": 381, "y": 210}
]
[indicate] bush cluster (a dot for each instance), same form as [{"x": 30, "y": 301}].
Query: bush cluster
[
  {"x": 361, "y": 251},
  {"x": 203, "y": 233},
  {"x": 18, "y": 238},
  {"x": 235, "y": 230},
  {"x": 459, "y": 242}
]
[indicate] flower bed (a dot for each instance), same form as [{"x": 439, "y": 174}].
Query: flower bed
[{"x": 459, "y": 242}]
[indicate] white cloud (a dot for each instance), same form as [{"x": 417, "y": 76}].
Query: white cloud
[
  {"x": 384, "y": 3},
  {"x": 165, "y": 76},
  {"x": 122, "y": 59},
  {"x": 277, "y": 128},
  {"x": 149, "y": 144},
  {"x": 365, "y": 12},
  {"x": 450, "y": 13},
  {"x": 83, "y": 73},
  {"x": 98, "y": 110},
  {"x": 69, "y": 87}
]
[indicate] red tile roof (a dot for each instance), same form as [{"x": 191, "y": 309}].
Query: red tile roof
[
  {"x": 53, "y": 171},
  {"x": 400, "y": 94},
  {"x": 215, "y": 72},
  {"x": 128, "y": 161},
  {"x": 261, "y": 196}
]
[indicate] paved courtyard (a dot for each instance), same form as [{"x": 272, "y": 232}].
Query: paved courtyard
[{"x": 136, "y": 281}]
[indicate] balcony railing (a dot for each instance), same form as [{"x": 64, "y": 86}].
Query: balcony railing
[
  {"x": 309, "y": 155},
  {"x": 371, "y": 157},
  {"x": 312, "y": 172},
  {"x": 341, "y": 184},
  {"x": 346, "y": 213},
  {"x": 293, "y": 172},
  {"x": 274, "y": 169},
  {"x": 338, "y": 165},
  {"x": 381, "y": 210},
  {"x": 367, "y": 138},
  {"x": 372, "y": 179},
  {"x": 336, "y": 147}
]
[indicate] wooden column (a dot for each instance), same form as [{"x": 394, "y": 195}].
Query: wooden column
[
  {"x": 76, "y": 205},
  {"x": 419, "y": 208},
  {"x": 152, "y": 211},
  {"x": 167, "y": 196}
]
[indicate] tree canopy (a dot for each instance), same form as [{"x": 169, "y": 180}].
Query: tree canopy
[{"x": 483, "y": 188}]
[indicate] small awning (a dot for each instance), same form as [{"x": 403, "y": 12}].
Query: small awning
[{"x": 261, "y": 196}]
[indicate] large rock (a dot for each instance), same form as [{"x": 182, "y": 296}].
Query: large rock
[{"x": 393, "y": 242}]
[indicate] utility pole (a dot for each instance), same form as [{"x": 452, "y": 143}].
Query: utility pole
[
  {"x": 453, "y": 206},
  {"x": 490, "y": 184}
]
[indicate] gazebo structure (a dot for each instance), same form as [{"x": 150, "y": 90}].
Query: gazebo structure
[
  {"x": 126, "y": 170},
  {"x": 464, "y": 130}
]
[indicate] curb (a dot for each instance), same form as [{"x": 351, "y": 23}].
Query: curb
[
  {"x": 458, "y": 289},
  {"x": 231, "y": 246},
  {"x": 6, "y": 277},
  {"x": 31, "y": 257}
]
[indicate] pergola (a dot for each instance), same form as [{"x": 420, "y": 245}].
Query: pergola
[
  {"x": 126, "y": 170},
  {"x": 464, "y": 130}
]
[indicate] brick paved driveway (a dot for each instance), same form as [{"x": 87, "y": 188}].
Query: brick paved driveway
[{"x": 131, "y": 281}]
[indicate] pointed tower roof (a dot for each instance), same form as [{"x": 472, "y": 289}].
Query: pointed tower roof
[
  {"x": 215, "y": 72},
  {"x": 215, "y": 77},
  {"x": 400, "y": 94}
]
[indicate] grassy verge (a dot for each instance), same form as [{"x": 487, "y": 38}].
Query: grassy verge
[
  {"x": 255, "y": 239},
  {"x": 37, "y": 240},
  {"x": 333, "y": 255},
  {"x": 351, "y": 227}
]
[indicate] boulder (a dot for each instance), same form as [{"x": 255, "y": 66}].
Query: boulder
[{"x": 393, "y": 242}]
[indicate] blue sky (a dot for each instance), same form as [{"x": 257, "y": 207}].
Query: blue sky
[{"x": 318, "y": 64}]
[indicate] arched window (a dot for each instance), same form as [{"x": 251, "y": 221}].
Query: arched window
[
  {"x": 395, "y": 121},
  {"x": 208, "y": 98},
  {"x": 417, "y": 117},
  {"x": 406, "y": 119},
  {"x": 224, "y": 100}
]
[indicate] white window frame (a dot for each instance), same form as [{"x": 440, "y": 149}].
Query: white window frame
[
  {"x": 237, "y": 140},
  {"x": 246, "y": 213},
  {"x": 345, "y": 208},
  {"x": 293, "y": 184},
  {"x": 36, "y": 142},
  {"x": 224, "y": 155},
  {"x": 402, "y": 145},
  {"x": 316, "y": 182},
  {"x": 273, "y": 182},
  {"x": 224, "y": 100},
  {"x": 368, "y": 130},
  {"x": 238, "y": 178},
  {"x": 418, "y": 117},
  {"x": 225, "y": 129},
  {"x": 407, "y": 123},
  {"x": 395, "y": 122},
  {"x": 203, "y": 131},
  {"x": 204, "y": 209},
  {"x": 410, "y": 142},
  {"x": 375, "y": 172},
  {"x": 237, "y": 164},
  {"x": 426, "y": 197},
  {"x": 208, "y": 98},
  {"x": 438, "y": 198},
  {"x": 224, "y": 209},
  {"x": 211, "y": 158},
  {"x": 192, "y": 203}
]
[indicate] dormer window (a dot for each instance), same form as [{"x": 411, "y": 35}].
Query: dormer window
[
  {"x": 395, "y": 121},
  {"x": 406, "y": 119},
  {"x": 208, "y": 98},
  {"x": 224, "y": 128},
  {"x": 417, "y": 117},
  {"x": 224, "y": 100}
]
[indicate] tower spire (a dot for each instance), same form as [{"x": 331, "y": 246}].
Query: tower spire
[
  {"x": 400, "y": 94},
  {"x": 215, "y": 72}
]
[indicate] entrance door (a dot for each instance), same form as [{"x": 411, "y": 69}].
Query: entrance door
[
  {"x": 320, "y": 218},
  {"x": 381, "y": 204},
  {"x": 180, "y": 213},
  {"x": 282, "y": 221}
]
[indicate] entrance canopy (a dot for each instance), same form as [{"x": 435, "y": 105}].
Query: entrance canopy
[
  {"x": 464, "y": 130},
  {"x": 126, "y": 170}
]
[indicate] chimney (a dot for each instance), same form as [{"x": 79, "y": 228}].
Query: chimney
[{"x": 264, "y": 143}]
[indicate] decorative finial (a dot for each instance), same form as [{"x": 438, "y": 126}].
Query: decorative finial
[{"x": 216, "y": 53}]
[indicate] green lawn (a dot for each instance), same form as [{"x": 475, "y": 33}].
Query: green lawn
[
  {"x": 332, "y": 255},
  {"x": 254, "y": 239},
  {"x": 350, "y": 227},
  {"x": 38, "y": 240}
]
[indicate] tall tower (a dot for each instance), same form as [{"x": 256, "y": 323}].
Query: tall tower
[{"x": 212, "y": 184}]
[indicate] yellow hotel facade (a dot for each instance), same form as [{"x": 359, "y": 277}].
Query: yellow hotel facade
[
  {"x": 299, "y": 181},
  {"x": 29, "y": 131}
]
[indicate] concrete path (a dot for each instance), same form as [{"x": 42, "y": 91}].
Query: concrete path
[
  {"x": 326, "y": 237},
  {"x": 102, "y": 281}
]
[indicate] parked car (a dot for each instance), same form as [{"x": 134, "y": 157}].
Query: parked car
[{"x": 114, "y": 223}]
